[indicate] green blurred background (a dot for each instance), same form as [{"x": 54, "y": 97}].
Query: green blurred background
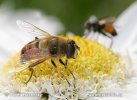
[{"x": 73, "y": 13}]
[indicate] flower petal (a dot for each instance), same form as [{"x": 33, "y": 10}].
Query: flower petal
[{"x": 126, "y": 27}]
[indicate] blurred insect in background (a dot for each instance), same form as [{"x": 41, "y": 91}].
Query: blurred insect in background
[
  {"x": 102, "y": 26},
  {"x": 49, "y": 47}
]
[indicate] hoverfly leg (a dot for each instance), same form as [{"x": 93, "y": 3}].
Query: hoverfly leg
[
  {"x": 111, "y": 44},
  {"x": 111, "y": 38},
  {"x": 65, "y": 65},
  {"x": 66, "y": 62},
  {"x": 31, "y": 67},
  {"x": 32, "y": 71},
  {"x": 97, "y": 37},
  {"x": 62, "y": 63},
  {"x": 70, "y": 70},
  {"x": 71, "y": 73},
  {"x": 53, "y": 63}
]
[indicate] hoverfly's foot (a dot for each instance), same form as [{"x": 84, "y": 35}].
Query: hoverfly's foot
[
  {"x": 65, "y": 65},
  {"x": 55, "y": 66},
  {"x": 111, "y": 44},
  {"x": 31, "y": 67},
  {"x": 32, "y": 71},
  {"x": 26, "y": 82}
]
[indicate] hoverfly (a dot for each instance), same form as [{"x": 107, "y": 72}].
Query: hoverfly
[
  {"x": 102, "y": 26},
  {"x": 48, "y": 47}
]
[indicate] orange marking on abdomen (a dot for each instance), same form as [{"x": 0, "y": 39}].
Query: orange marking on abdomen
[{"x": 108, "y": 28}]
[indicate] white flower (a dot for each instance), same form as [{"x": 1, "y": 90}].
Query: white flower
[{"x": 117, "y": 73}]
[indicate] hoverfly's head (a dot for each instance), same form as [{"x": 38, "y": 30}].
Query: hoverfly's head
[
  {"x": 71, "y": 49},
  {"x": 91, "y": 23}
]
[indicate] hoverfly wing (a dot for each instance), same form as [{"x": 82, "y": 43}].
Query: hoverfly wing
[
  {"x": 107, "y": 20},
  {"x": 31, "y": 28},
  {"x": 33, "y": 54},
  {"x": 110, "y": 29},
  {"x": 29, "y": 57}
]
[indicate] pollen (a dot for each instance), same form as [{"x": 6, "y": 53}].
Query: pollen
[{"x": 93, "y": 59}]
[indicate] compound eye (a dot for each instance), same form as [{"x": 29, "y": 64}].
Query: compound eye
[{"x": 70, "y": 51}]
